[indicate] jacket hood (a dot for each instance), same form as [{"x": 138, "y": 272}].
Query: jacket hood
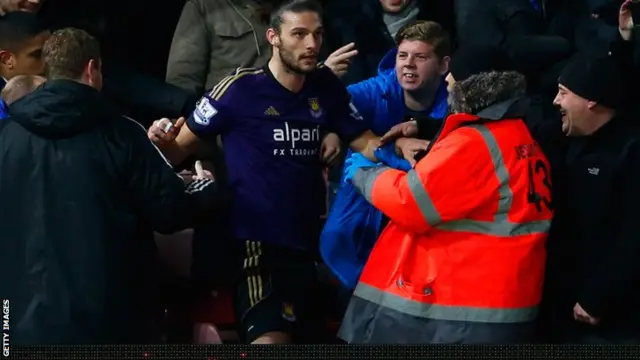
[
  {"x": 61, "y": 108},
  {"x": 482, "y": 91},
  {"x": 388, "y": 62}
]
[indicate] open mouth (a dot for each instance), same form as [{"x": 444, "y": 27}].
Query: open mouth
[
  {"x": 563, "y": 113},
  {"x": 410, "y": 76}
]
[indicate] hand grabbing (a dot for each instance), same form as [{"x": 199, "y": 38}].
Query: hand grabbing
[
  {"x": 408, "y": 147},
  {"x": 405, "y": 129},
  {"x": 355, "y": 162}
]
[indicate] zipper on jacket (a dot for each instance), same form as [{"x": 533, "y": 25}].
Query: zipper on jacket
[{"x": 253, "y": 30}]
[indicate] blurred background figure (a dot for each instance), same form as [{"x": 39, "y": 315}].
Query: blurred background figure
[
  {"x": 20, "y": 86},
  {"x": 214, "y": 37},
  {"x": 22, "y": 37}
]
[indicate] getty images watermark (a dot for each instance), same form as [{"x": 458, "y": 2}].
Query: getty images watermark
[{"x": 5, "y": 328}]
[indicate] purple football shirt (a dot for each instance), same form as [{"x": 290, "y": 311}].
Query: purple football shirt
[{"x": 271, "y": 138}]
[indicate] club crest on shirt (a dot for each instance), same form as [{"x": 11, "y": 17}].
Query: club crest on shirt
[
  {"x": 204, "y": 112},
  {"x": 287, "y": 312},
  {"x": 316, "y": 110}
]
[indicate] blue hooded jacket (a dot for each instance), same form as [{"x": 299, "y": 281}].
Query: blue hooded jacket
[
  {"x": 380, "y": 99},
  {"x": 353, "y": 225}
]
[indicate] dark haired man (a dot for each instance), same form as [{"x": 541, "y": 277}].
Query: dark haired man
[
  {"x": 21, "y": 39},
  {"x": 272, "y": 121},
  {"x": 82, "y": 188}
]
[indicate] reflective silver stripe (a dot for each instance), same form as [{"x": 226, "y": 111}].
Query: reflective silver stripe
[
  {"x": 500, "y": 226},
  {"x": 365, "y": 177},
  {"x": 503, "y": 228},
  {"x": 422, "y": 198},
  {"x": 441, "y": 312}
]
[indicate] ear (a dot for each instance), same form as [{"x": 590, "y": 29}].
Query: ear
[
  {"x": 272, "y": 37},
  {"x": 444, "y": 65},
  {"x": 591, "y": 104},
  {"x": 92, "y": 67},
  {"x": 7, "y": 58},
  {"x": 92, "y": 73}
]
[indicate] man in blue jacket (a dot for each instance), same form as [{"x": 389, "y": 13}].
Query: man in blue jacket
[
  {"x": 410, "y": 79},
  {"x": 410, "y": 84}
]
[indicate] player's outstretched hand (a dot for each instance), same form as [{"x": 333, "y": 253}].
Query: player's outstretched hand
[{"x": 164, "y": 131}]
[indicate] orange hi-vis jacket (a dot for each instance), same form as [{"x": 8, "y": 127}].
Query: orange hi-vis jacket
[{"x": 462, "y": 259}]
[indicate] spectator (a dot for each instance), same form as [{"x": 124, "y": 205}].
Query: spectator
[
  {"x": 21, "y": 39},
  {"x": 541, "y": 118},
  {"x": 410, "y": 84},
  {"x": 20, "y": 86},
  {"x": 593, "y": 271},
  {"x": 410, "y": 81},
  {"x": 437, "y": 274},
  {"x": 271, "y": 120},
  {"x": 467, "y": 61},
  {"x": 82, "y": 188},
  {"x": 371, "y": 26},
  {"x": 213, "y": 38}
]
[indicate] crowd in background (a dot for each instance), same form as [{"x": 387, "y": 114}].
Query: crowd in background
[{"x": 156, "y": 62}]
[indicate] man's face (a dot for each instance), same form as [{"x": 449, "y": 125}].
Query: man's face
[
  {"x": 299, "y": 41},
  {"x": 21, "y": 5},
  {"x": 575, "y": 112},
  {"x": 393, "y": 6},
  {"x": 417, "y": 65},
  {"x": 28, "y": 59}
]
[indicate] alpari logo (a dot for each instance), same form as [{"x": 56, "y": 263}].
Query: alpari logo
[{"x": 296, "y": 141}]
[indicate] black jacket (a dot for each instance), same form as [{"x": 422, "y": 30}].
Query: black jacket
[
  {"x": 594, "y": 246},
  {"x": 82, "y": 188}
]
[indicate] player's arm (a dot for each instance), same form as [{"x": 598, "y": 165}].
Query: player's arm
[
  {"x": 157, "y": 193},
  {"x": 208, "y": 119},
  {"x": 346, "y": 121},
  {"x": 182, "y": 146},
  {"x": 362, "y": 143}
]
